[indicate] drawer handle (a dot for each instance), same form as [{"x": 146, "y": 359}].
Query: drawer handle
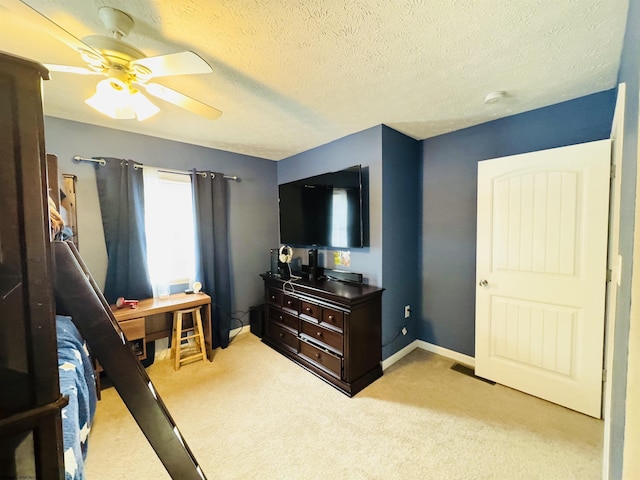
[
  {"x": 318, "y": 356},
  {"x": 331, "y": 318},
  {"x": 289, "y": 302},
  {"x": 319, "y": 334},
  {"x": 279, "y": 317},
  {"x": 308, "y": 309},
  {"x": 273, "y": 297},
  {"x": 281, "y": 335}
]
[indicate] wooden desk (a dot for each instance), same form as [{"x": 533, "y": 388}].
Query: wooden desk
[{"x": 133, "y": 320}]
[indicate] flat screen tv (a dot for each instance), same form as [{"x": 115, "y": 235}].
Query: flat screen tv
[{"x": 324, "y": 211}]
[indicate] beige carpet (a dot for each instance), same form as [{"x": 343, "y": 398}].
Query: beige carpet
[{"x": 253, "y": 414}]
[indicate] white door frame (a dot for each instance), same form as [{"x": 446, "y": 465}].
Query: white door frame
[
  {"x": 630, "y": 459},
  {"x": 614, "y": 266}
]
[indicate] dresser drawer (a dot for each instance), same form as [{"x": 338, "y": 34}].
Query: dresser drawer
[
  {"x": 290, "y": 303},
  {"x": 331, "y": 339},
  {"x": 310, "y": 311},
  {"x": 333, "y": 319},
  {"x": 283, "y": 337},
  {"x": 274, "y": 297},
  {"x": 284, "y": 318},
  {"x": 328, "y": 362},
  {"x": 133, "y": 329}
]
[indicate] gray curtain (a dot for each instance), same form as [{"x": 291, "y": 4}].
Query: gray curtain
[
  {"x": 212, "y": 249},
  {"x": 121, "y": 193}
]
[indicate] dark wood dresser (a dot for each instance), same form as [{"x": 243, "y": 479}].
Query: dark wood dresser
[{"x": 331, "y": 328}]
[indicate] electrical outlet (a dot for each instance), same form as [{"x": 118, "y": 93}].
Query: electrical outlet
[
  {"x": 404, "y": 330},
  {"x": 407, "y": 311}
]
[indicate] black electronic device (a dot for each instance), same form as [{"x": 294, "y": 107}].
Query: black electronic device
[
  {"x": 327, "y": 210},
  {"x": 284, "y": 271},
  {"x": 313, "y": 264},
  {"x": 256, "y": 320},
  {"x": 274, "y": 261},
  {"x": 343, "y": 276}
]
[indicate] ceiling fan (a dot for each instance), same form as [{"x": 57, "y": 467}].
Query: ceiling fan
[{"x": 127, "y": 69}]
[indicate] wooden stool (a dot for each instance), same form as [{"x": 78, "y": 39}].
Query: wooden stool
[{"x": 196, "y": 333}]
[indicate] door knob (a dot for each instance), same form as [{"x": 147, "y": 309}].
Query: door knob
[{"x": 483, "y": 283}]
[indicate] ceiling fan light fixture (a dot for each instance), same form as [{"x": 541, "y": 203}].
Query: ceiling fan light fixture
[
  {"x": 112, "y": 99},
  {"x": 126, "y": 67},
  {"x": 143, "y": 107},
  {"x": 115, "y": 99}
]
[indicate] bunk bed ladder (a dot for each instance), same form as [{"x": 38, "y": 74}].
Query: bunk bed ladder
[{"x": 78, "y": 296}]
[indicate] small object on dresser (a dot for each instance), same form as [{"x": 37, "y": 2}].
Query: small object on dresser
[
  {"x": 123, "y": 303},
  {"x": 313, "y": 264},
  {"x": 274, "y": 261}
]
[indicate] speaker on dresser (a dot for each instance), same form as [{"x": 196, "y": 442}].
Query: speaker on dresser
[
  {"x": 313, "y": 264},
  {"x": 274, "y": 261}
]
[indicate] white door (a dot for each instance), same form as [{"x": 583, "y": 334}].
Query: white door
[{"x": 541, "y": 272}]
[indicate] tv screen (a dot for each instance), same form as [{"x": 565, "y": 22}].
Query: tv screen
[{"x": 325, "y": 210}]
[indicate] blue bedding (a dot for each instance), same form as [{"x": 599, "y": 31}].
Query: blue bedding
[{"x": 77, "y": 381}]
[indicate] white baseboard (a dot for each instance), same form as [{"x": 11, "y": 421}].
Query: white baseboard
[
  {"x": 429, "y": 347},
  {"x": 387, "y": 362},
  {"x": 237, "y": 331}
]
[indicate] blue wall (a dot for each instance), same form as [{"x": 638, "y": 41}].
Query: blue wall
[
  {"x": 449, "y": 203},
  {"x": 401, "y": 233},
  {"x": 629, "y": 73},
  {"x": 253, "y": 201}
]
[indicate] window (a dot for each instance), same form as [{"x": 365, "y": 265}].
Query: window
[{"x": 170, "y": 229}]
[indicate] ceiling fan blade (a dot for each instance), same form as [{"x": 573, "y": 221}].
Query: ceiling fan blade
[
  {"x": 169, "y": 95},
  {"x": 69, "y": 69},
  {"x": 32, "y": 15},
  {"x": 182, "y": 63}
]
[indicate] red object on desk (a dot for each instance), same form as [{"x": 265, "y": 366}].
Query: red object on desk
[{"x": 122, "y": 303}]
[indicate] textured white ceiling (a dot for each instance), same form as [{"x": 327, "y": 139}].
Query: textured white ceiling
[{"x": 291, "y": 75}]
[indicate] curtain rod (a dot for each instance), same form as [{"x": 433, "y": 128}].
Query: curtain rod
[{"x": 102, "y": 161}]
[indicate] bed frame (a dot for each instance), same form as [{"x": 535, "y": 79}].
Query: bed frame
[{"x": 30, "y": 400}]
